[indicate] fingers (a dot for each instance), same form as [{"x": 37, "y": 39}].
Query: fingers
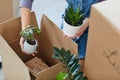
[
  {"x": 33, "y": 54},
  {"x": 68, "y": 36},
  {"x": 80, "y": 31},
  {"x": 22, "y": 46},
  {"x": 21, "y": 42},
  {"x": 36, "y": 52},
  {"x": 77, "y": 34},
  {"x": 83, "y": 28}
]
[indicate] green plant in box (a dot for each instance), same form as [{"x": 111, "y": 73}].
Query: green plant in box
[{"x": 70, "y": 62}]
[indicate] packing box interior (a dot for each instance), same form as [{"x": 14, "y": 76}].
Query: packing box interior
[
  {"x": 103, "y": 48},
  {"x": 14, "y": 60},
  {"x": 35, "y": 66}
]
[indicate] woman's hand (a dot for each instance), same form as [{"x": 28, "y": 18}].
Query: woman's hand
[
  {"x": 21, "y": 43},
  {"x": 81, "y": 30},
  {"x": 22, "y": 46},
  {"x": 25, "y": 19}
]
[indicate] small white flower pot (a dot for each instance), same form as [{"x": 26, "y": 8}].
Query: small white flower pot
[
  {"x": 70, "y": 30},
  {"x": 28, "y": 48}
]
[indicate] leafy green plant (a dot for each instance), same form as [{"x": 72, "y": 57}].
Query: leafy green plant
[
  {"x": 62, "y": 76},
  {"x": 70, "y": 62},
  {"x": 29, "y": 33},
  {"x": 73, "y": 17}
]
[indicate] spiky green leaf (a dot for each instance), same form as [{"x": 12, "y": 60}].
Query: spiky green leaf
[
  {"x": 73, "y": 17},
  {"x": 78, "y": 76}
]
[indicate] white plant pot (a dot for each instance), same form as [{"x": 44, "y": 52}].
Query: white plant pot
[
  {"x": 70, "y": 30},
  {"x": 30, "y": 48}
]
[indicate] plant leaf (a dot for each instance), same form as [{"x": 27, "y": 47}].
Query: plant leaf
[
  {"x": 62, "y": 76},
  {"x": 78, "y": 76}
]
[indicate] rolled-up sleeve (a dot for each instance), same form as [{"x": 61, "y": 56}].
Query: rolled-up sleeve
[{"x": 26, "y": 3}]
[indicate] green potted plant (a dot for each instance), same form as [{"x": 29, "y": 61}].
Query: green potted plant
[
  {"x": 30, "y": 43},
  {"x": 73, "y": 19},
  {"x": 71, "y": 65}
]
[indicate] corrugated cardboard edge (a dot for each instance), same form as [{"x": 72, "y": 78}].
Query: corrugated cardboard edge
[
  {"x": 51, "y": 73},
  {"x": 6, "y": 28},
  {"x": 51, "y": 36},
  {"x": 13, "y": 66},
  {"x": 90, "y": 69},
  {"x": 17, "y": 69},
  {"x": 57, "y": 37}
]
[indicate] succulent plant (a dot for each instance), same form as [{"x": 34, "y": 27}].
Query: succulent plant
[{"x": 73, "y": 16}]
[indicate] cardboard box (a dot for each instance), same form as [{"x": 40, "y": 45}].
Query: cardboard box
[
  {"x": 103, "y": 48},
  {"x": 35, "y": 66},
  {"x": 6, "y": 7},
  {"x": 14, "y": 60}
]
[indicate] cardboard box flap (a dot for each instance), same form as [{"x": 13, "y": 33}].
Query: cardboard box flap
[
  {"x": 102, "y": 60},
  {"x": 11, "y": 28},
  {"x": 6, "y": 8},
  {"x": 51, "y": 73},
  {"x": 110, "y": 13},
  {"x": 13, "y": 58},
  {"x": 51, "y": 36},
  {"x": 55, "y": 35},
  {"x": 9, "y": 47},
  {"x": 14, "y": 68}
]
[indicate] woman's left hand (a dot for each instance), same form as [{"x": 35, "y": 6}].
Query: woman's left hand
[{"x": 81, "y": 30}]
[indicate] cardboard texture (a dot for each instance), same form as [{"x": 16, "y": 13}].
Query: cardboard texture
[
  {"x": 103, "y": 48},
  {"x": 14, "y": 60},
  {"x": 6, "y": 10},
  {"x": 36, "y": 65}
]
